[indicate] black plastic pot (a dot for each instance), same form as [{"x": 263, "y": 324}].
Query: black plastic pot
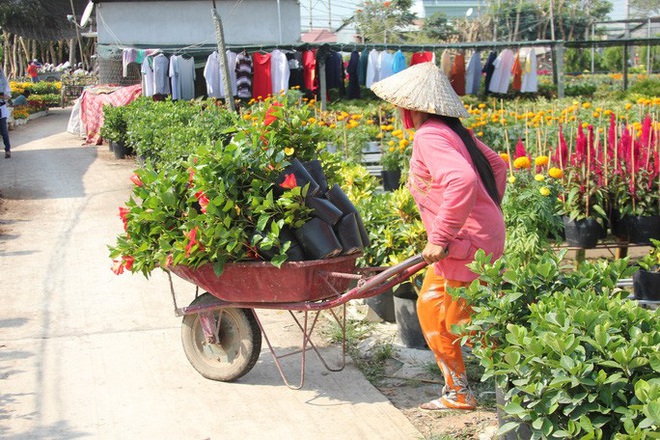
[
  {"x": 619, "y": 226},
  {"x": 119, "y": 148},
  {"x": 316, "y": 171},
  {"x": 339, "y": 198},
  {"x": 318, "y": 240},
  {"x": 383, "y": 306},
  {"x": 111, "y": 145},
  {"x": 642, "y": 229},
  {"x": 646, "y": 285},
  {"x": 324, "y": 209},
  {"x": 391, "y": 179},
  {"x": 582, "y": 233},
  {"x": 407, "y": 323},
  {"x": 302, "y": 178},
  {"x": 348, "y": 233}
]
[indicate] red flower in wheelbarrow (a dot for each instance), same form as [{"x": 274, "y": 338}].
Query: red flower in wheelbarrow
[
  {"x": 192, "y": 237},
  {"x": 289, "y": 181}
]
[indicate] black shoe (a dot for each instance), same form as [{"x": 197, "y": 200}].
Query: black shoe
[{"x": 7, "y": 154}]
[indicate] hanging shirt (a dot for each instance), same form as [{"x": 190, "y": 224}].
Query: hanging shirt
[
  {"x": 422, "y": 57},
  {"x": 398, "y": 62},
  {"x": 516, "y": 71},
  {"x": 353, "y": 76},
  {"x": 262, "y": 81},
  {"x": 334, "y": 72},
  {"x": 296, "y": 77},
  {"x": 147, "y": 71},
  {"x": 385, "y": 60},
  {"x": 529, "y": 79},
  {"x": 215, "y": 87},
  {"x": 445, "y": 63},
  {"x": 309, "y": 69},
  {"x": 279, "y": 67},
  {"x": 489, "y": 68},
  {"x": 362, "y": 67},
  {"x": 372, "y": 68},
  {"x": 499, "y": 83},
  {"x": 457, "y": 75},
  {"x": 187, "y": 78},
  {"x": 473, "y": 75},
  {"x": 161, "y": 75},
  {"x": 243, "y": 75}
]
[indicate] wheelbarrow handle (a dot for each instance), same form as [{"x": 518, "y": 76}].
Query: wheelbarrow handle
[{"x": 391, "y": 277}]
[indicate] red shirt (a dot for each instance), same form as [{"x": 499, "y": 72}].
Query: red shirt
[
  {"x": 421, "y": 57},
  {"x": 262, "y": 85},
  {"x": 309, "y": 69}
]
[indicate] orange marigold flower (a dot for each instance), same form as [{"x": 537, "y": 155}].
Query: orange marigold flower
[
  {"x": 504, "y": 156},
  {"x": 522, "y": 162},
  {"x": 541, "y": 161},
  {"x": 555, "y": 173}
]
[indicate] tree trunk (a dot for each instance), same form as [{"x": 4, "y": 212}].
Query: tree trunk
[
  {"x": 72, "y": 53},
  {"x": 51, "y": 52},
  {"x": 60, "y": 52},
  {"x": 14, "y": 56}
]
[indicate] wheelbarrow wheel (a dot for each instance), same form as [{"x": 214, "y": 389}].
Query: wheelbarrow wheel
[{"x": 238, "y": 341}]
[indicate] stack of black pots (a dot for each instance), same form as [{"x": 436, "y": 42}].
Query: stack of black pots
[{"x": 336, "y": 227}]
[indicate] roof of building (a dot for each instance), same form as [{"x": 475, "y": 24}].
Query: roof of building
[{"x": 319, "y": 36}]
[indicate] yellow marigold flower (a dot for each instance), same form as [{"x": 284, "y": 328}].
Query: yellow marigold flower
[
  {"x": 541, "y": 161},
  {"x": 397, "y": 132},
  {"x": 391, "y": 149},
  {"x": 482, "y": 105},
  {"x": 353, "y": 124},
  {"x": 255, "y": 118},
  {"x": 340, "y": 118},
  {"x": 379, "y": 135},
  {"x": 303, "y": 123},
  {"x": 370, "y": 122},
  {"x": 391, "y": 143},
  {"x": 555, "y": 173},
  {"x": 522, "y": 162},
  {"x": 321, "y": 123},
  {"x": 539, "y": 177},
  {"x": 585, "y": 125},
  {"x": 595, "y": 114},
  {"x": 504, "y": 156},
  {"x": 247, "y": 116},
  {"x": 333, "y": 125},
  {"x": 544, "y": 191},
  {"x": 481, "y": 133},
  {"x": 312, "y": 101},
  {"x": 607, "y": 112},
  {"x": 311, "y": 120},
  {"x": 383, "y": 127},
  {"x": 586, "y": 105},
  {"x": 403, "y": 143},
  {"x": 390, "y": 127},
  {"x": 628, "y": 106},
  {"x": 289, "y": 151},
  {"x": 512, "y": 179}
]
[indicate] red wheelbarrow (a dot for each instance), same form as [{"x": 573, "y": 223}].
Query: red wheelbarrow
[{"x": 221, "y": 332}]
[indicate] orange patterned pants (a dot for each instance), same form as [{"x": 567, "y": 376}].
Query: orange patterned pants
[{"x": 437, "y": 312}]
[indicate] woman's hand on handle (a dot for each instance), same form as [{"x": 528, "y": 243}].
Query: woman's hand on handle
[{"x": 433, "y": 253}]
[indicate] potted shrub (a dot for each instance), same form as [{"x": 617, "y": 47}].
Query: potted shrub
[
  {"x": 571, "y": 356},
  {"x": 114, "y": 129},
  {"x": 646, "y": 281},
  {"x": 394, "y": 158}
]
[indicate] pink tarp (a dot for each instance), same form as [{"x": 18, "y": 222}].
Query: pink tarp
[{"x": 92, "y": 101}]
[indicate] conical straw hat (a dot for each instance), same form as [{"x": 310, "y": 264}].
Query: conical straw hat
[{"x": 422, "y": 87}]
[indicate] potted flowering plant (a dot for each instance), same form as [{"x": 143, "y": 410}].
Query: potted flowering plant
[
  {"x": 635, "y": 181},
  {"x": 585, "y": 200},
  {"x": 532, "y": 182},
  {"x": 646, "y": 281},
  {"x": 394, "y": 158}
]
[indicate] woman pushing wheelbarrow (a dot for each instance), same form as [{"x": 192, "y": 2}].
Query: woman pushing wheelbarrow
[{"x": 458, "y": 184}]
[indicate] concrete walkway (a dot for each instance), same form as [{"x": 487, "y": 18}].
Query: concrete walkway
[{"x": 88, "y": 354}]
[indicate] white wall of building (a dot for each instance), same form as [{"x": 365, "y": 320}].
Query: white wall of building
[{"x": 165, "y": 23}]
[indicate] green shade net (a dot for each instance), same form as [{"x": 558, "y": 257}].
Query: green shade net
[{"x": 43, "y": 20}]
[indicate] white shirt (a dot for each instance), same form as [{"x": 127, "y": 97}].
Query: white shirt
[
  {"x": 373, "y": 68},
  {"x": 530, "y": 82},
  {"x": 385, "y": 60},
  {"x": 279, "y": 71},
  {"x": 174, "y": 76},
  {"x": 182, "y": 74},
  {"x": 147, "y": 76},
  {"x": 161, "y": 81},
  {"x": 212, "y": 76},
  {"x": 499, "y": 82}
]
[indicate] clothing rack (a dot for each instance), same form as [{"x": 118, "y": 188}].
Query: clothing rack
[{"x": 557, "y": 47}]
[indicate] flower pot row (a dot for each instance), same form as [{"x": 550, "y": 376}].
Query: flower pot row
[{"x": 585, "y": 233}]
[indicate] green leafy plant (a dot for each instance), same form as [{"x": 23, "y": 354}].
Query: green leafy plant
[
  {"x": 651, "y": 261},
  {"x": 115, "y": 124},
  {"x": 575, "y": 359}
]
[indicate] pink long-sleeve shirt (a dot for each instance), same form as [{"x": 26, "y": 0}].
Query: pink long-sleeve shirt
[{"x": 455, "y": 207}]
